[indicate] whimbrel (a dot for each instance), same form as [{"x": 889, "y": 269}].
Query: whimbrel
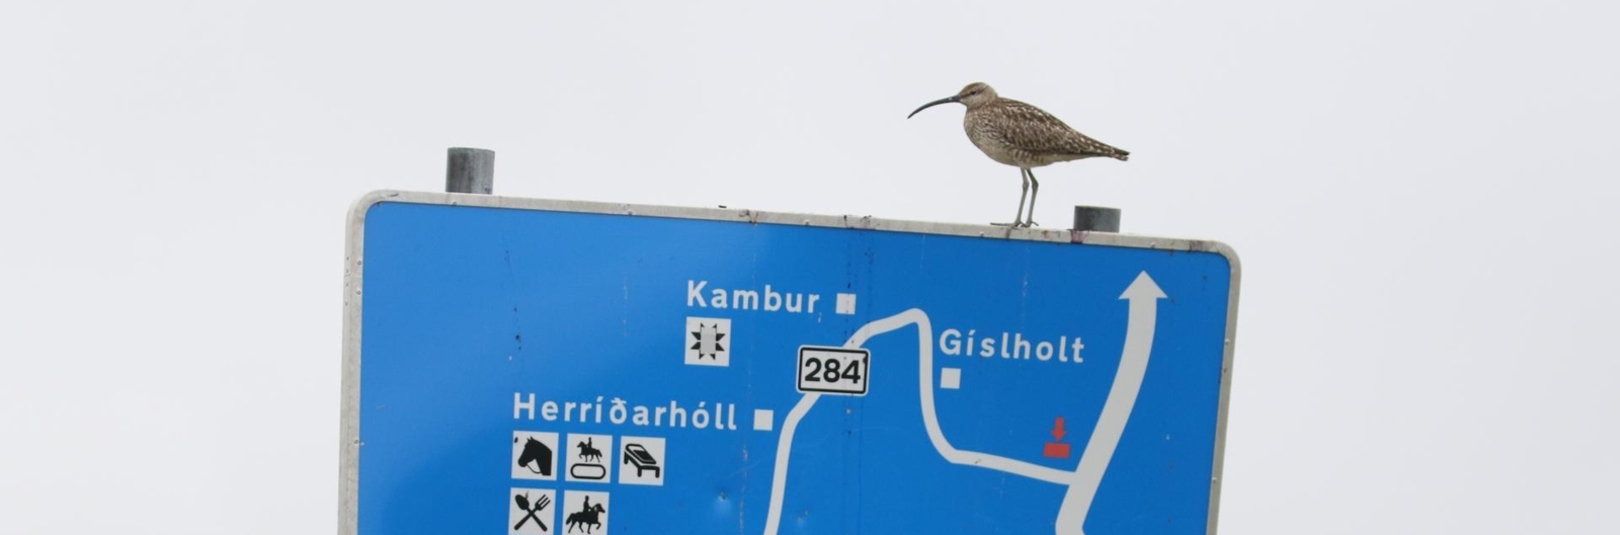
[{"x": 1023, "y": 136}]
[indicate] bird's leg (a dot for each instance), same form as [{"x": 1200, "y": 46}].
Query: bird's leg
[
  {"x": 1019, "y": 220},
  {"x": 1036, "y": 187}
]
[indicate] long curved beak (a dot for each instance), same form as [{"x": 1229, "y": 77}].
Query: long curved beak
[{"x": 945, "y": 100}]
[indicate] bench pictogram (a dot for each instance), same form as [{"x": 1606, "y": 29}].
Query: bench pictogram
[{"x": 642, "y": 461}]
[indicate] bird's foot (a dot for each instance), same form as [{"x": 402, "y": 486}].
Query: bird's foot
[
  {"x": 1015, "y": 224},
  {"x": 1030, "y": 223}
]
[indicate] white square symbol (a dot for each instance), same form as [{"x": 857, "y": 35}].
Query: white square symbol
[
  {"x": 846, "y": 304},
  {"x": 950, "y": 378},
  {"x": 762, "y": 419},
  {"x": 534, "y": 455},
  {"x": 589, "y": 457},
  {"x": 534, "y": 511},
  {"x": 642, "y": 461},
  {"x": 708, "y": 341}
]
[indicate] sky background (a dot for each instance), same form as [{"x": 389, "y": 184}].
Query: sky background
[{"x": 1422, "y": 194}]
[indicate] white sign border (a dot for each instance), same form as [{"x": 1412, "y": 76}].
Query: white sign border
[{"x": 353, "y": 268}]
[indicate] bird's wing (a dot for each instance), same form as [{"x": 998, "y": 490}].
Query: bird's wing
[{"x": 1032, "y": 129}]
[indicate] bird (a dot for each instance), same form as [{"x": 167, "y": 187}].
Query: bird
[{"x": 1023, "y": 136}]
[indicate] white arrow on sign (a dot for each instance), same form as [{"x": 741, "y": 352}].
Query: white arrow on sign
[{"x": 1143, "y": 296}]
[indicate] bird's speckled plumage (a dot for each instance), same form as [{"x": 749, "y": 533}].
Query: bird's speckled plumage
[{"x": 1023, "y": 136}]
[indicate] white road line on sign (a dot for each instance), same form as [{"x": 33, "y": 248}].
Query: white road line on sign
[
  {"x": 1143, "y": 296},
  {"x": 925, "y": 385},
  {"x": 784, "y": 443}
]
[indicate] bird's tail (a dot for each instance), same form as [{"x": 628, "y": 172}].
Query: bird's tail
[{"x": 1105, "y": 150}]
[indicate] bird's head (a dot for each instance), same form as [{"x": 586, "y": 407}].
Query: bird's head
[{"x": 974, "y": 95}]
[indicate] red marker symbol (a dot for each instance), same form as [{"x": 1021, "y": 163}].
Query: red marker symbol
[{"x": 1058, "y": 449}]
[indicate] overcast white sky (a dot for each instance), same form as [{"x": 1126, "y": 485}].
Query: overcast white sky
[{"x": 1423, "y": 195}]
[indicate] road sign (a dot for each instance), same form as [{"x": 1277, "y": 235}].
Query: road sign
[{"x": 534, "y": 366}]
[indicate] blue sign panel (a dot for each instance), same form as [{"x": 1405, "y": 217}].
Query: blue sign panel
[{"x": 540, "y": 367}]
